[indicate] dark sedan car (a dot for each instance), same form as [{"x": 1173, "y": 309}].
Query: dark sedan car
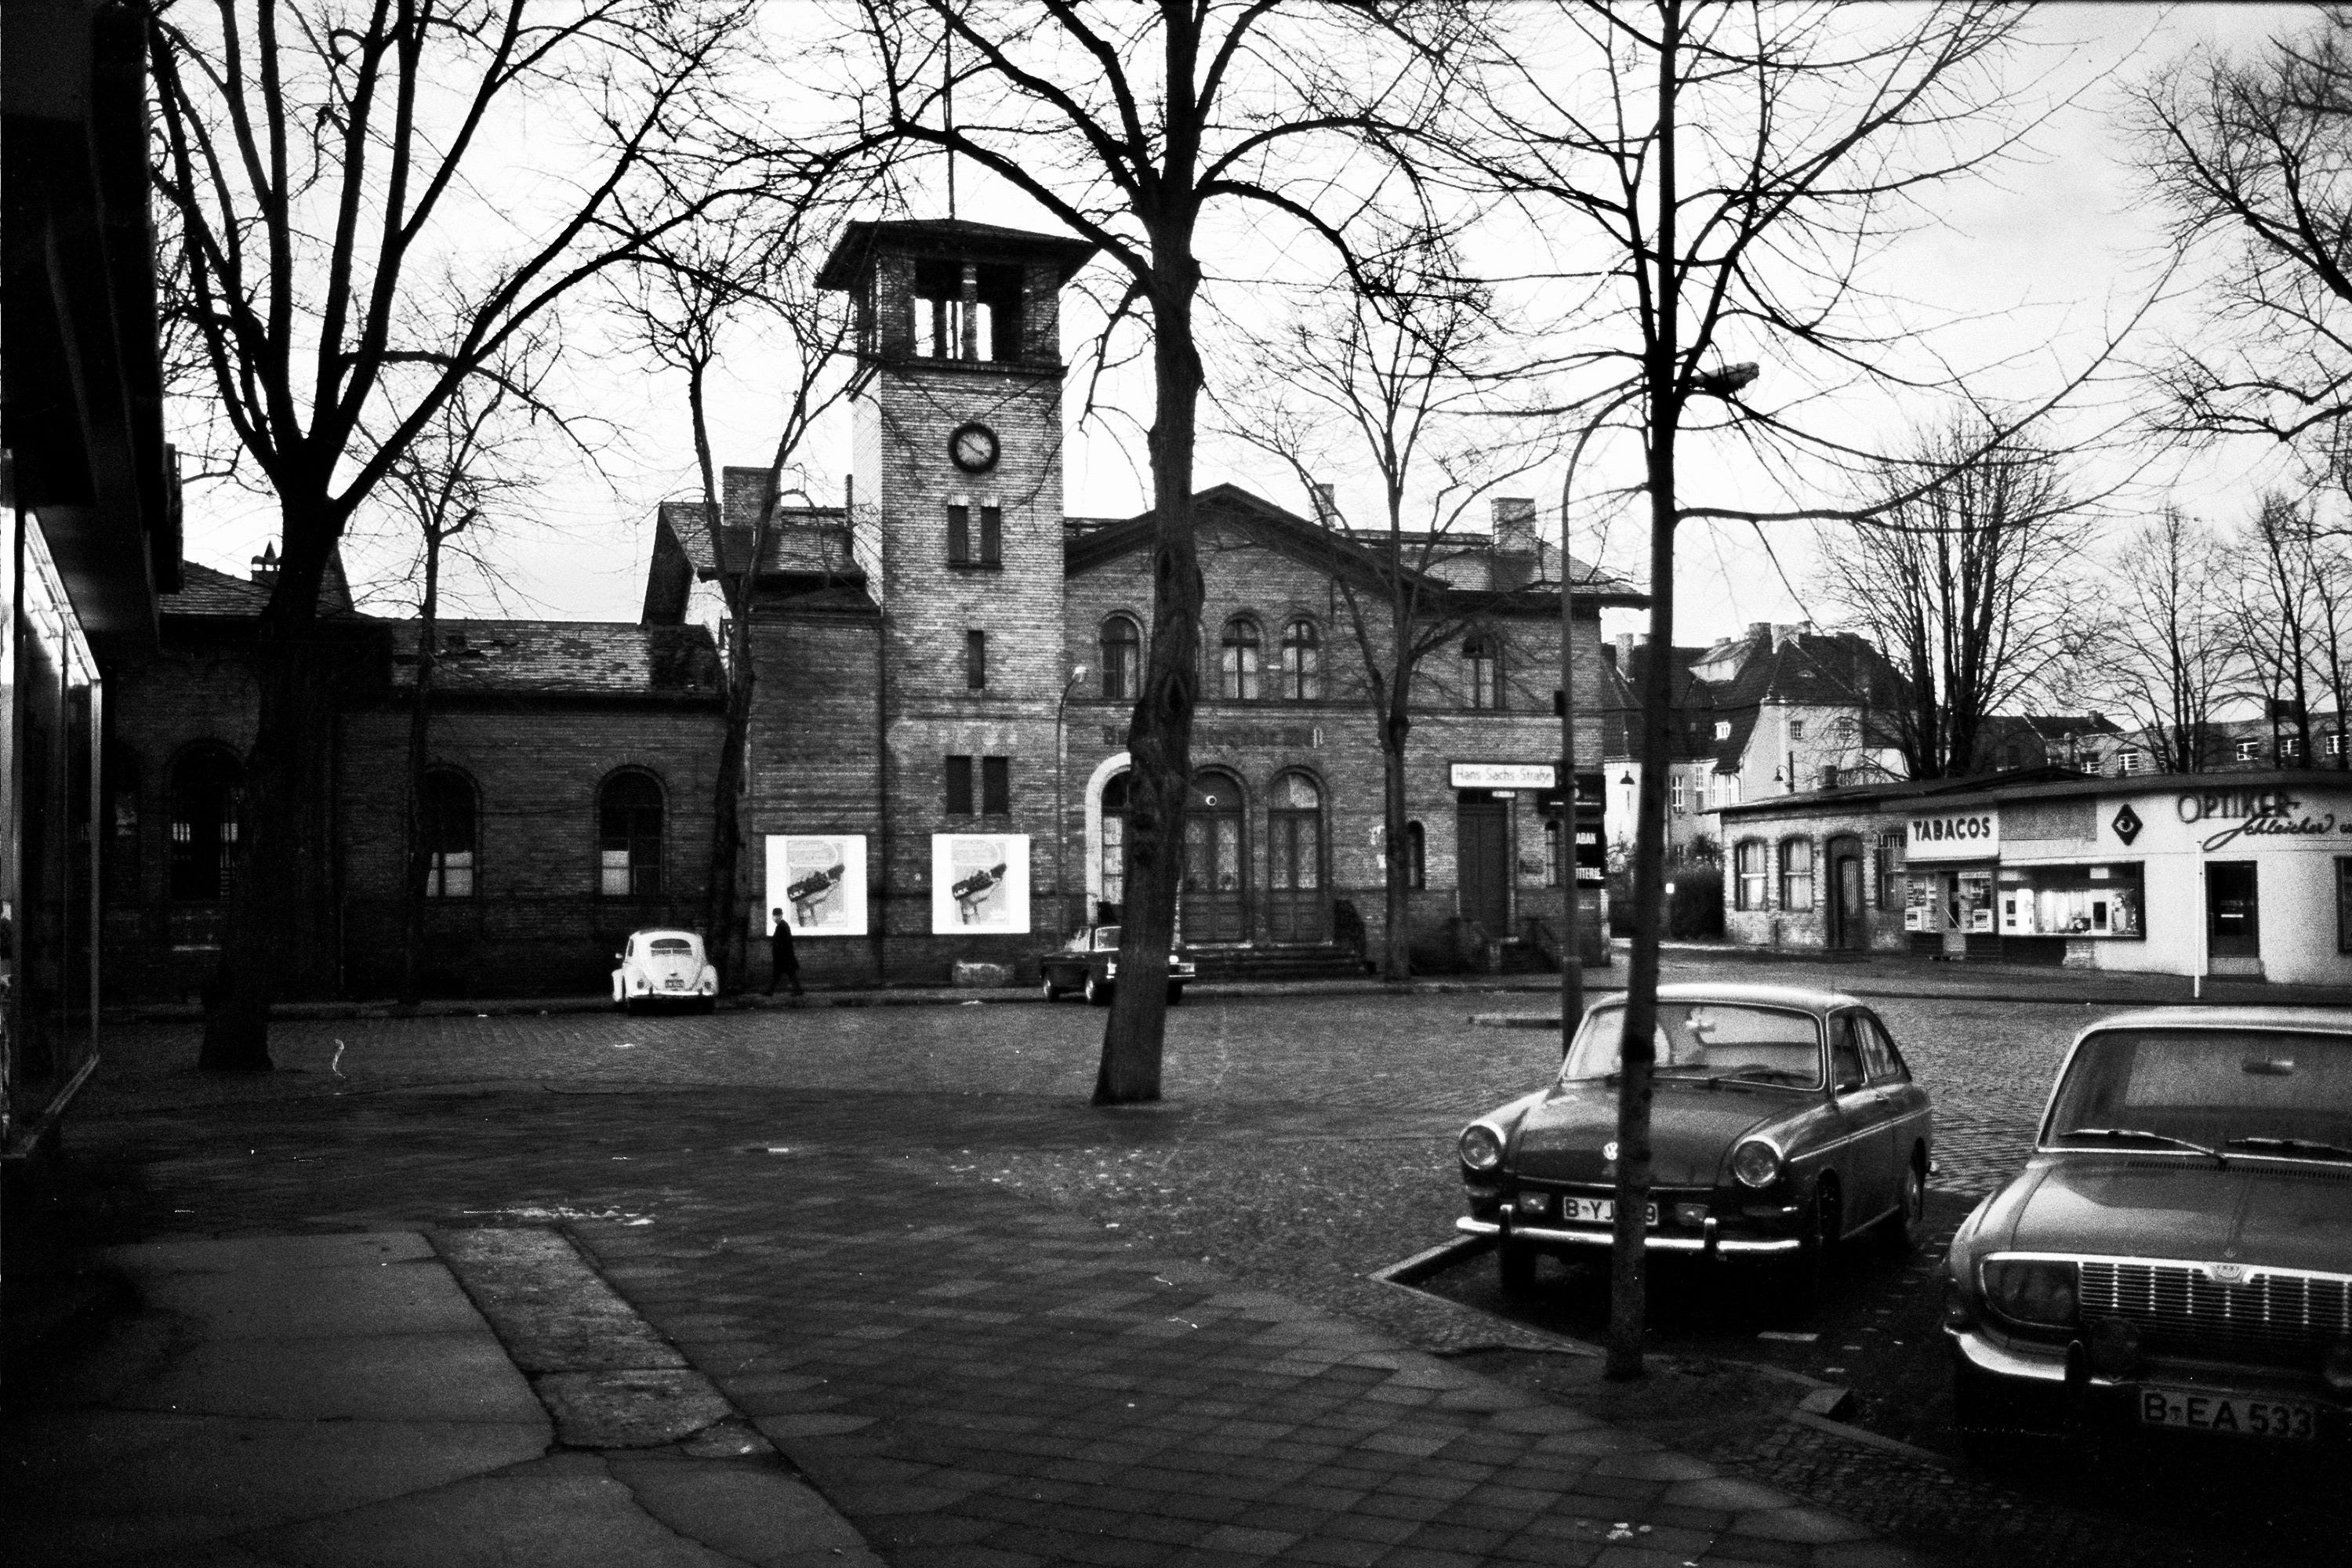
[
  {"x": 1784, "y": 1122},
  {"x": 2176, "y": 1258},
  {"x": 1088, "y": 963}
]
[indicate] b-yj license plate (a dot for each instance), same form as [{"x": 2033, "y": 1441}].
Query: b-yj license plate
[
  {"x": 2235, "y": 1413},
  {"x": 1595, "y": 1211},
  {"x": 673, "y": 984}
]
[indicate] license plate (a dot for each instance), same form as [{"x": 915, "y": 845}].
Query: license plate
[
  {"x": 2233, "y": 1413},
  {"x": 673, "y": 985},
  {"x": 1595, "y": 1211}
]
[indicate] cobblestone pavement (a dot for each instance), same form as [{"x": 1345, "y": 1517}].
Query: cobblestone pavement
[{"x": 1305, "y": 1144}]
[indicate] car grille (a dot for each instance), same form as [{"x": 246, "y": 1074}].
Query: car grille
[{"x": 2275, "y": 1317}]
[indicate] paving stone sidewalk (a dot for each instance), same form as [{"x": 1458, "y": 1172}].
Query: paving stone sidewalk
[{"x": 974, "y": 1379}]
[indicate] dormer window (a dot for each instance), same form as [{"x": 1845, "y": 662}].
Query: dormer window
[{"x": 1723, "y": 729}]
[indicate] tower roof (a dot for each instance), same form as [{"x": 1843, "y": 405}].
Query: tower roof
[{"x": 853, "y": 251}]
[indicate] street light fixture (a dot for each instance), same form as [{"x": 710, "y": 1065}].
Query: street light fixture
[{"x": 1061, "y": 789}]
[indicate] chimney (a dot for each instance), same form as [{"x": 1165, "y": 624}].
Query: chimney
[
  {"x": 1760, "y": 631},
  {"x": 1327, "y": 503},
  {"x": 265, "y": 565},
  {"x": 1514, "y": 524},
  {"x": 1625, "y": 653}
]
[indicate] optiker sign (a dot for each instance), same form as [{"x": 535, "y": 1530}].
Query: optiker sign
[{"x": 1961, "y": 835}]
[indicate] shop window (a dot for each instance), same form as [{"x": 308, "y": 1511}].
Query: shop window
[
  {"x": 629, "y": 837},
  {"x": 1482, "y": 671},
  {"x": 206, "y": 786},
  {"x": 1750, "y": 891},
  {"x": 1238, "y": 658},
  {"x": 1122, "y": 659},
  {"x": 1797, "y": 874},
  {"x": 2073, "y": 900},
  {"x": 1302, "y": 662},
  {"x": 446, "y": 805}
]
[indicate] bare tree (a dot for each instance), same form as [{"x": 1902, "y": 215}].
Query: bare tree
[
  {"x": 2172, "y": 649},
  {"x": 1133, "y": 127},
  {"x": 1399, "y": 375},
  {"x": 1971, "y": 579},
  {"x": 329, "y": 173},
  {"x": 2281, "y": 623},
  {"x": 748, "y": 264},
  {"x": 2254, "y": 158},
  {"x": 449, "y": 482},
  {"x": 1714, "y": 179}
]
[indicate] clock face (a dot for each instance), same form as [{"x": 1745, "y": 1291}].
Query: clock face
[{"x": 973, "y": 446}]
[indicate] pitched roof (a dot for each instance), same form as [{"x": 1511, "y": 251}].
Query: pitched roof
[
  {"x": 1329, "y": 548},
  {"x": 204, "y": 592},
  {"x": 812, "y": 539},
  {"x": 946, "y": 237},
  {"x": 576, "y": 658}
]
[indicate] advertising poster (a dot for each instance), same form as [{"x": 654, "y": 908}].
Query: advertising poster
[
  {"x": 819, "y": 881},
  {"x": 980, "y": 884}
]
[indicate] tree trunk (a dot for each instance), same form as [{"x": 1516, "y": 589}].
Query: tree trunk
[
  {"x": 1629, "y": 1242},
  {"x": 1396, "y": 728},
  {"x": 272, "y": 872},
  {"x": 1159, "y": 735},
  {"x": 418, "y": 862}
]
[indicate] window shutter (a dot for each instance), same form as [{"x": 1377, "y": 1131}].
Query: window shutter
[
  {"x": 959, "y": 786},
  {"x": 996, "y": 786}
]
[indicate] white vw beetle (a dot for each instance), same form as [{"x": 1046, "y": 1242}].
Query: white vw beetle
[{"x": 662, "y": 966}]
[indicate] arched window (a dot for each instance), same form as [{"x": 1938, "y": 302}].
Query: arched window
[
  {"x": 629, "y": 837},
  {"x": 1482, "y": 670},
  {"x": 1416, "y": 857},
  {"x": 1302, "y": 662},
  {"x": 1747, "y": 859},
  {"x": 1797, "y": 874},
  {"x": 1114, "y": 838},
  {"x": 445, "y": 804},
  {"x": 1238, "y": 660},
  {"x": 207, "y": 785},
  {"x": 1122, "y": 659}
]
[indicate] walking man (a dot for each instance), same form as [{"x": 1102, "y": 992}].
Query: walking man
[{"x": 783, "y": 963}]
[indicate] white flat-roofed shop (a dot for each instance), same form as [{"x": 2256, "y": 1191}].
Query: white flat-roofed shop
[{"x": 2242, "y": 874}]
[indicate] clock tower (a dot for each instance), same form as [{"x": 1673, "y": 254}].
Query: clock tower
[{"x": 955, "y": 522}]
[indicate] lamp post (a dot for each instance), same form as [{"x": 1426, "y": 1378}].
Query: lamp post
[{"x": 1061, "y": 791}]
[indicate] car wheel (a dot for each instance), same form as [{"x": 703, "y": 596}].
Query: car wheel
[
  {"x": 1808, "y": 1271},
  {"x": 1175, "y": 995},
  {"x": 1910, "y": 1206},
  {"x": 1097, "y": 992},
  {"x": 1515, "y": 1263},
  {"x": 1053, "y": 992}
]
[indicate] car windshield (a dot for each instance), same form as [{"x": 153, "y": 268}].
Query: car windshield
[
  {"x": 1708, "y": 1040},
  {"x": 2258, "y": 1091},
  {"x": 1105, "y": 939},
  {"x": 670, "y": 944}
]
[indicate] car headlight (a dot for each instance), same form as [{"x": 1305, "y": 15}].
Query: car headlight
[
  {"x": 1481, "y": 1147},
  {"x": 1756, "y": 1164},
  {"x": 2030, "y": 1289}
]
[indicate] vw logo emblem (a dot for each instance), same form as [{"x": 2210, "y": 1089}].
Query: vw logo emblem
[
  {"x": 1608, "y": 1149},
  {"x": 2226, "y": 1273}
]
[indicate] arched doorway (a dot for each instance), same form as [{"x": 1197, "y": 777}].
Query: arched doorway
[
  {"x": 1295, "y": 907},
  {"x": 1110, "y": 877},
  {"x": 1849, "y": 924},
  {"x": 1216, "y": 904}
]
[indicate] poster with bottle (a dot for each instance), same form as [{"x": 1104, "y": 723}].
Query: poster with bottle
[
  {"x": 980, "y": 884},
  {"x": 819, "y": 881}
]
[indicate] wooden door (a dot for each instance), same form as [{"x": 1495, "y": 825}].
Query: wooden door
[
  {"x": 1216, "y": 863},
  {"x": 1482, "y": 856},
  {"x": 1296, "y": 906}
]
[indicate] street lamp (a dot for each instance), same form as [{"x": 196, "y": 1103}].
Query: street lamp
[{"x": 1061, "y": 788}]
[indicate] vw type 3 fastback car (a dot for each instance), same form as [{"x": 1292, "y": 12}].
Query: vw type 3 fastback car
[
  {"x": 1784, "y": 1121},
  {"x": 2177, "y": 1255}
]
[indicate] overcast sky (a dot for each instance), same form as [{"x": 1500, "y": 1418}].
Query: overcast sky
[{"x": 2045, "y": 258}]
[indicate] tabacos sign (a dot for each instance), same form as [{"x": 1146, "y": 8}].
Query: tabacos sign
[{"x": 1952, "y": 836}]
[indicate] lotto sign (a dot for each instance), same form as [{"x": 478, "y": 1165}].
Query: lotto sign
[{"x": 1956, "y": 835}]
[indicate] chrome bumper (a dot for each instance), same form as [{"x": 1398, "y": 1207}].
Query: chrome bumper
[
  {"x": 1711, "y": 1244},
  {"x": 1989, "y": 1356}
]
